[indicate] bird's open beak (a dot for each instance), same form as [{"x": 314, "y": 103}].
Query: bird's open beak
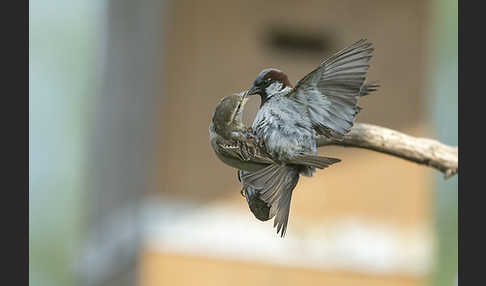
[
  {"x": 243, "y": 94},
  {"x": 254, "y": 90}
]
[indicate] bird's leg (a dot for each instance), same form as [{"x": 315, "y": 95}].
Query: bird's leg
[
  {"x": 243, "y": 190},
  {"x": 245, "y": 152},
  {"x": 259, "y": 142},
  {"x": 255, "y": 140},
  {"x": 250, "y": 144},
  {"x": 263, "y": 145},
  {"x": 246, "y": 143}
]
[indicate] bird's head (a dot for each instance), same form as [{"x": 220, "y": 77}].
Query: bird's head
[
  {"x": 269, "y": 82},
  {"x": 228, "y": 115}
]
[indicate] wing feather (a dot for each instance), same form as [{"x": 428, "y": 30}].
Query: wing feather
[
  {"x": 244, "y": 150},
  {"x": 330, "y": 91}
]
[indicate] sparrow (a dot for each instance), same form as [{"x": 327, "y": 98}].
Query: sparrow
[
  {"x": 324, "y": 102},
  {"x": 237, "y": 146},
  {"x": 233, "y": 143}
]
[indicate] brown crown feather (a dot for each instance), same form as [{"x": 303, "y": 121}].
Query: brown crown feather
[{"x": 280, "y": 76}]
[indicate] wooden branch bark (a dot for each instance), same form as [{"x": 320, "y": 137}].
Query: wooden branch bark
[{"x": 424, "y": 151}]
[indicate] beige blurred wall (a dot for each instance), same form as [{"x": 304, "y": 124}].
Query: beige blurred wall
[{"x": 216, "y": 47}]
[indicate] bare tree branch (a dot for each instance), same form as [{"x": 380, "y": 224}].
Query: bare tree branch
[{"x": 424, "y": 151}]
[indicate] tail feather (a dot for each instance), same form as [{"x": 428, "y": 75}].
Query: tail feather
[
  {"x": 275, "y": 184},
  {"x": 269, "y": 190},
  {"x": 314, "y": 161},
  {"x": 257, "y": 206},
  {"x": 283, "y": 212}
]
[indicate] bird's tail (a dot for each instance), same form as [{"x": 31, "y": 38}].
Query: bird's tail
[
  {"x": 257, "y": 206},
  {"x": 313, "y": 161},
  {"x": 274, "y": 184}
]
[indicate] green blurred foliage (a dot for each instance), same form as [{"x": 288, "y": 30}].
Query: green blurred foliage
[
  {"x": 443, "y": 105},
  {"x": 63, "y": 46}
]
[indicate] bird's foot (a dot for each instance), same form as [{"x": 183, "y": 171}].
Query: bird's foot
[{"x": 243, "y": 190}]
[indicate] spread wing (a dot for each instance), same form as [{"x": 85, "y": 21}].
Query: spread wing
[{"x": 331, "y": 91}]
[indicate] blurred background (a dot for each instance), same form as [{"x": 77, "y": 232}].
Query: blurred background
[{"x": 126, "y": 190}]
